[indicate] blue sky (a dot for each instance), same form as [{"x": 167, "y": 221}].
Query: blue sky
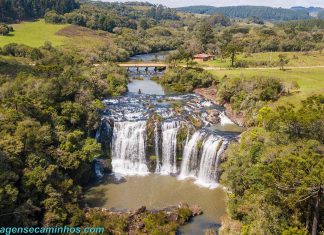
[{"x": 273, "y": 3}]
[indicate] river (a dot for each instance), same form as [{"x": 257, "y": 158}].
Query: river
[{"x": 163, "y": 161}]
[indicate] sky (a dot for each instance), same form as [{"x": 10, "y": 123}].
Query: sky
[{"x": 273, "y": 3}]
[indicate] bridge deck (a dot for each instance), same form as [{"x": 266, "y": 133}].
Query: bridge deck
[{"x": 142, "y": 65}]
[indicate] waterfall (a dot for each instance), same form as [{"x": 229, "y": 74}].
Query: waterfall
[
  {"x": 224, "y": 119},
  {"x": 98, "y": 135},
  {"x": 190, "y": 156},
  {"x": 201, "y": 158},
  {"x": 156, "y": 145},
  {"x": 213, "y": 148},
  {"x": 98, "y": 169},
  {"x": 124, "y": 131},
  {"x": 128, "y": 151},
  {"x": 169, "y": 147}
]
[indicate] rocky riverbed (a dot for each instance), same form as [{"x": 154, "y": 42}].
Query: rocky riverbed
[
  {"x": 211, "y": 95},
  {"x": 142, "y": 220}
]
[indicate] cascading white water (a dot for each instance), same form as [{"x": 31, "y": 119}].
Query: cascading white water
[
  {"x": 124, "y": 133},
  {"x": 98, "y": 168},
  {"x": 128, "y": 151},
  {"x": 190, "y": 156},
  {"x": 169, "y": 147},
  {"x": 224, "y": 120},
  {"x": 156, "y": 143},
  {"x": 213, "y": 148},
  {"x": 202, "y": 165}
]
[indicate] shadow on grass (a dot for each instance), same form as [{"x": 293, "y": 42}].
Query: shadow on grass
[{"x": 12, "y": 68}]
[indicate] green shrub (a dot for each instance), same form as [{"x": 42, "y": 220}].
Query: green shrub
[
  {"x": 54, "y": 18},
  {"x": 186, "y": 80}
]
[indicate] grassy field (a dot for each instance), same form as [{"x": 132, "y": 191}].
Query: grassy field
[
  {"x": 34, "y": 34},
  {"x": 311, "y": 81},
  {"x": 84, "y": 39},
  {"x": 76, "y": 39},
  {"x": 314, "y": 58}
]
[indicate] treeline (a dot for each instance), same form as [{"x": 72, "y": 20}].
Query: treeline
[
  {"x": 225, "y": 39},
  {"x": 243, "y": 12},
  {"x": 49, "y": 112},
  {"x": 148, "y": 29},
  {"x": 107, "y": 16},
  {"x": 303, "y": 25},
  {"x": 17, "y": 10}
]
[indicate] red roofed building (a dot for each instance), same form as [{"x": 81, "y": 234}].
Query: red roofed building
[{"x": 203, "y": 57}]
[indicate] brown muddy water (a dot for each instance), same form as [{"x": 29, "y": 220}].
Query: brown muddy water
[{"x": 156, "y": 192}]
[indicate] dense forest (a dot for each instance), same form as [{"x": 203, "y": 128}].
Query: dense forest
[
  {"x": 49, "y": 113},
  {"x": 243, "y": 12},
  {"x": 275, "y": 172},
  {"x": 17, "y": 10}
]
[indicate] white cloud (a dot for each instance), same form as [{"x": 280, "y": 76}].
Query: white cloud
[{"x": 273, "y": 3}]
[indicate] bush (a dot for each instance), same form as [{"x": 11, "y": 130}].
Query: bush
[
  {"x": 248, "y": 95},
  {"x": 186, "y": 80},
  {"x": 54, "y": 18},
  {"x": 78, "y": 19},
  {"x": 117, "y": 85},
  {"x": 5, "y": 29},
  {"x": 241, "y": 64},
  {"x": 20, "y": 50}
]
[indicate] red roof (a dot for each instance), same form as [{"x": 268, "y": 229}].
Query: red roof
[{"x": 202, "y": 55}]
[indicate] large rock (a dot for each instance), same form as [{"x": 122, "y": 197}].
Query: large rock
[
  {"x": 183, "y": 205},
  {"x": 213, "y": 116},
  {"x": 196, "y": 210},
  {"x": 140, "y": 210}
]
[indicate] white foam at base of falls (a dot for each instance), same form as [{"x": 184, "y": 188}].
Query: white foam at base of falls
[{"x": 224, "y": 120}]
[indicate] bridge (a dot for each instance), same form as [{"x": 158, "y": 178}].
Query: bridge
[{"x": 143, "y": 65}]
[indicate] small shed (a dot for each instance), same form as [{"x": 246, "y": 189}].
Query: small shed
[{"x": 203, "y": 57}]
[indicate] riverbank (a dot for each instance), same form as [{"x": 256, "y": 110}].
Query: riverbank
[
  {"x": 143, "y": 221},
  {"x": 211, "y": 95}
]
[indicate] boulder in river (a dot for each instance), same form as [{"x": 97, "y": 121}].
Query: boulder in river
[
  {"x": 213, "y": 116},
  {"x": 196, "y": 210}
]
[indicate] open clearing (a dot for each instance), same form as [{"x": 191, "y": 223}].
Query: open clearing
[
  {"x": 69, "y": 37},
  {"x": 311, "y": 81},
  {"x": 34, "y": 34},
  {"x": 296, "y": 59}
]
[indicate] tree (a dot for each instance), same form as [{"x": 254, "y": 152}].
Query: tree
[
  {"x": 53, "y": 17},
  {"x": 220, "y": 19},
  {"x": 173, "y": 58},
  {"x": 186, "y": 55},
  {"x": 205, "y": 33},
  {"x": 283, "y": 60},
  {"x": 144, "y": 24},
  {"x": 231, "y": 50}
]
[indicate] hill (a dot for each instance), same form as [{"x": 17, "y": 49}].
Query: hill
[
  {"x": 312, "y": 11},
  {"x": 261, "y": 12}
]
